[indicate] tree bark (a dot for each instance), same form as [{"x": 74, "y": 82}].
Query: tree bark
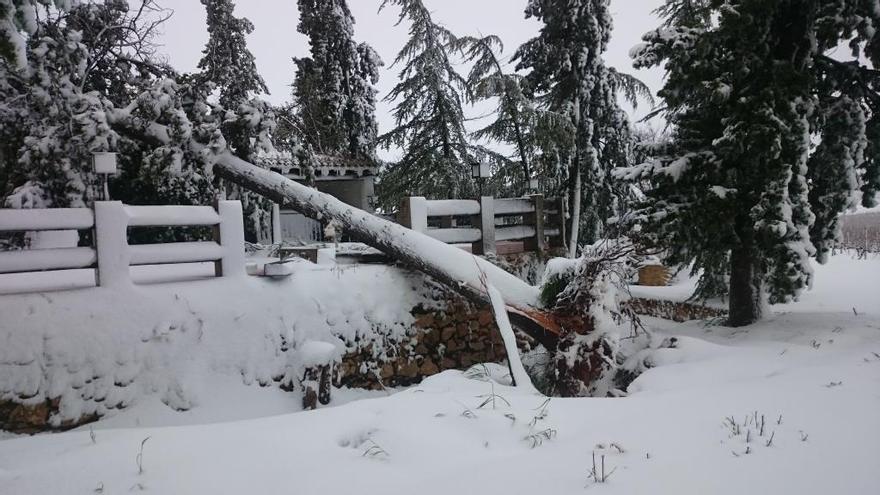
[
  {"x": 576, "y": 192},
  {"x": 746, "y": 288}
]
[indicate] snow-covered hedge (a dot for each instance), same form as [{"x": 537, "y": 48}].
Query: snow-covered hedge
[{"x": 98, "y": 349}]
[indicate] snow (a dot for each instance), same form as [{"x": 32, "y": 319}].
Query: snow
[
  {"x": 175, "y": 252},
  {"x": 455, "y": 236},
  {"x": 46, "y": 259},
  {"x": 840, "y": 285},
  {"x": 277, "y": 270},
  {"x": 327, "y": 256},
  {"x": 453, "y": 207},
  {"x": 721, "y": 191},
  {"x": 46, "y": 219},
  {"x": 316, "y": 353},
  {"x": 811, "y": 370},
  {"x": 106, "y": 347},
  {"x": 520, "y": 377},
  {"x": 51, "y": 239},
  {"x": 111, "y": 239},
  {"x": 146, "y": 216},
  {"x": 514, "y": 233},
  {"x": 17, "y": 283}
]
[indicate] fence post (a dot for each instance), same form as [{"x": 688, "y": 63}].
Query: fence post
[
  {"x": 413, "y": 213},
  {"x": 230, "y": 235},
  {"x": 486, "y": 221},
  {"x": 111, "y": 243},
  {"x": 277, "y": 236},
  {"x": 536, "y": 219}
]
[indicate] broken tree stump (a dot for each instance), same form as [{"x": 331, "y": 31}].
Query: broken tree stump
[{"x": 318, "y": 360}]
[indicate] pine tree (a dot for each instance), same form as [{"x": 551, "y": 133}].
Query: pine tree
[
  {"x": 18, "y": 20},
  {"x": 86, "y": 66},
  {"x": 229, "y": 69},
  {"x": 334, "y": 89},
  {"x": 747, "y": 91},
  {"x": 429, "y": 119},
  {"x": 569, "y": 76},
  {"x": 79, "y": 63},
  {"x": 227, "y": 65},
  {"x": 518, "y": 122}
]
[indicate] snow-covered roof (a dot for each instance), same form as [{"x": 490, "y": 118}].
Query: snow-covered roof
[{"x": 326, "y": 167}]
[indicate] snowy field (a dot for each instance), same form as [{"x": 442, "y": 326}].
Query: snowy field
[{"x": 809, "y": 374}]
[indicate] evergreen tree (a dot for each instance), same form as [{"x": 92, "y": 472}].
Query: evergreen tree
[
  {"x": 86, "y": 67},
  {"x": 227, "y": 64},
  {"x": 748, "y": 90},
  {"x": 429, "y": 119},
  {"x": 568, "y": 76},
  {"x": 79, "y": 63},
  {"x": 334, "y": 88},
  {"x": 518, "y": 122},
  {"x": 229, "y": 69},
  {"x": 18, "y": 20}
]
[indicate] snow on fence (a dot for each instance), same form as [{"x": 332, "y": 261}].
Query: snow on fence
[
  {"x": 489, "y": 225},
  {"x": 111, "y": 257}
]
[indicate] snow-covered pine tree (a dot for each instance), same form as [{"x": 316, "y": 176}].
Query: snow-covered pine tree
[
  {"x": 229, "y": 70},
  {"x": 429, "y": 119},
  {"x": 79, "y": 63},
  {"x": 18, "y": 20},
  {"x": 85, "y": 65},
  {"x": 334, "y": 89},
  {"x": 568, "y": 76},
  {"x": 518, "y": 121},
  {"x": 227, "y": 65},
  {"x": 746, "y": 94},
  {"x": 845, "y": 167}
]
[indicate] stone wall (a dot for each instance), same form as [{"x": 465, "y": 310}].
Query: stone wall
[
  {"x": 35, "y": 418},
  {"x": 675, "y": 311},
  {"x": 452, "y": 335}
]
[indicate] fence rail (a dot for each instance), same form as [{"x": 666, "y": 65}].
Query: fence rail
[
  {"x": 111, "y": 256},
  {"x": 490, "y": 225}
]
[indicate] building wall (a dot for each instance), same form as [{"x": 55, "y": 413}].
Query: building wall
[
  {"x": 295, "y": 227},
  {"x": 354, "y": 192}
]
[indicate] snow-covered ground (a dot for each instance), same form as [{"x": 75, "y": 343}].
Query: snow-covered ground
[{"x": 810, "y": 373}]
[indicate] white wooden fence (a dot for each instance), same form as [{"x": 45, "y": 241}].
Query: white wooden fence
[
  {"x": 490, "y": 225},
  {"x": 111, "y": 256}
]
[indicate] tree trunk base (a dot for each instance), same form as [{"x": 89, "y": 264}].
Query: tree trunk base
[{"x": 746, "y": 288}]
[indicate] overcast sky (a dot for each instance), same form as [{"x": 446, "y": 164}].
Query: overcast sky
[{"x": 275, "y": 40}]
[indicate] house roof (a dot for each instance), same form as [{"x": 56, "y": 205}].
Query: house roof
[{"x": 325, "y": 167}]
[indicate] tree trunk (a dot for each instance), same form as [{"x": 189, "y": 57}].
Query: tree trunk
[
  {"x": 461, "y": 271},
  {"x": 575, "y": 212},
  {"x": 746, "y": 288}
]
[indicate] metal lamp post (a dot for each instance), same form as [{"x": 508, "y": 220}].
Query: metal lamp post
[
  {"x": 480, "y": 171},
  {"x": 534, "y": 184},
  {"x": 105, "y": 166}
]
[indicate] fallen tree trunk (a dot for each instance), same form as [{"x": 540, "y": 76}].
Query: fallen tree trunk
[
  {"x": 447, "y": 264},
  {"x": 459, "y": 270}
]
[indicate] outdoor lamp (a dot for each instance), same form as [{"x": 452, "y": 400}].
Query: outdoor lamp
[{"x": 105, "y": 166}]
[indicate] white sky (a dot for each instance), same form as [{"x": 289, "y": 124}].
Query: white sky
[{"x": 275, "y": 40}]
